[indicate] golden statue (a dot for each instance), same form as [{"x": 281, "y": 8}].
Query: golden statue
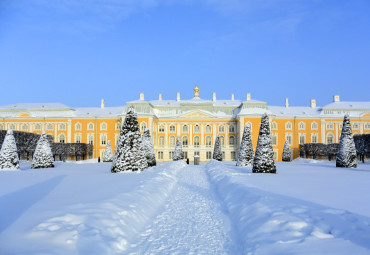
[{"x": 196, "y": 91}]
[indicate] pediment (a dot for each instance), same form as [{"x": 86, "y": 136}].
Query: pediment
[{"x": 197, "y": 115}]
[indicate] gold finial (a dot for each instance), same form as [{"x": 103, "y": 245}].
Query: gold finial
[{"x": 196, "y": 91}]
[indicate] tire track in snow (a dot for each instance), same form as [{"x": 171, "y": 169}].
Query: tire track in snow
[{"x": 192, "y": 221}]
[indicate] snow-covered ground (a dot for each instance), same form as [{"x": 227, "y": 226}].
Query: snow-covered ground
[{"x": 308, "y": 207}]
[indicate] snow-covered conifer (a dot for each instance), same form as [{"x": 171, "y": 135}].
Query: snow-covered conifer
[
  {"x": 245, "y": 156},
  {"x": 286, "y": 152},
  {"x": 108, "y": 154},
  {"x": 264, "y": 159},
  {"x": 147, "y": 147},
  {"x": 178, "y": 153},
  {"x": 346, "y": 156},
  {"x": 8, "y": 154},
  {"x": 43, "y": 157},
  {"x": 128, "y": 155},
  {"x": 217, "y": 152}
]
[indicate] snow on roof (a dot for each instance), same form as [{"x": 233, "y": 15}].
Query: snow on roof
[
  {"x": 253, "y": 111},
  {"x": 295, "y": 111},
  {"x": 39, "y": 106},
  {"x": 99, "y": 112},
  {"x": 348, "y": 105},
  {"x": 165, "y": 103}
]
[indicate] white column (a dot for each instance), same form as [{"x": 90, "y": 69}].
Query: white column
[
  {"x": 336, "y": 131},
  {"x": 69, "y": 130},
  {"x": 323, "y": 131}
]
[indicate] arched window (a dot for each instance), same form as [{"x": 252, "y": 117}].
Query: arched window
[
  {"x": 355, "y": 125},
  {"x": 49, "y": 126},
  {"x": 37, "y": 126},
  {"x": 367, "y": 125},
  {"x": 314, "y": 125},
  {"x": 118, "y": 126},
  {"x": 62, "y": 138},
  {"x": 161, "y": 140},
  {"x": 274, "y": 125},
  {"x": 24, "y": 127},
  {"x": 172, "y": 141},
  {"x": 161, "y": 129},
  {"x": 314, "y": 138},
  {"x": 301, "y": 125},
  {"x": 143, "y": 126},
  {"x": 185, "y": 128},
  {"x": 90, "y": 139},
  {"x": 78, "y": 126},
  {"x": 288, "y": 137},
  {"x": 185, "y": 141},
  {"x": 196, "y": 129},
  {"x": 62, "y": 126},
  {"x": 330, "y": 125},
  {"x": 208, "y": 141},
  {"x": 302, "y": 139},
  {"x": 208, "y": 129},
  {"x": 221, "y": 129},
  {"x": 103, "y": 126},
  {"x": 274, "y": 139},
  {"x": 222, "y": 140},
  {"x": 103, "y": 139},
  {"x": 196, "y": 141},
  {"x": 78, "y": 138},
  {"x": 231, "y": 140},
  {"x": 288, "y": 125},
  {"x": 231, "y": 129},
  {"x": 172, "y": 129},
  {"x": 330, "y": 138},
  {"x": 90, "y": 126},
  {"x": 12, "y": 127}
]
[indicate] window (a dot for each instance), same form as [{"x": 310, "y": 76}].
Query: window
[
  {"x": 275, "y": 155},
  {"x": 103, "y": 139},
  {"x": 78, "y": 138},
  {"x": 1, "y": 127},
  {"x": 172, "y": 141},
  {"x": 143, "y": 126},
  {"x": 288, "y": 126},
  {"x": 289, "y": 139},
  {"x": 196, "y": 129},
  {"x": 49, "y": 126},
  {"x": 62, "y": 126},
  {"x": 185, "y": 154},
  {"x": 209, "y": 155},
  {"x": 367, "y": 125},
  {"x": 161, "y": 140},
  {"x": 118, "y": 126},
  {"x": 160, "y": 154},
  {"x": 222, "y": 140},
  {"x": 301, "y": 126},
  {"x": 208, "y": 129},
  {"x": 232, "y": 129},
  {"x": 223, "y": 155},
  {"x": 221, "y": 129},
  {"x": 208, "y": 141},
  {"x": 355, "y": 125},
  {"x": 302, "y": 139},
  {"x": 330, "y": 138},
  {"x": 274, "y": 139},
  {"x": 314, "y": 138},
  {"x": 161, "y": 129},
  {"x": 196, "y": 153},
  {"x": 231, "y": 140},
  {"x": 185, "y": 128},
  {"x": 185, "y": 141},
  {"x": 170, "y": 155},
  {"x": 62, "y": 138},
  {"x": 90, "y": 126},
  {"x": 273, "y": 125},
  {"x": 103, "y": 126},
  {"x": 314, "y": 126},
  {"x": 90, "y": 139},
  {"x": 24, "y": 127},
  {"x": 172, "y": 129},
  {"x": 233, "y": 156},
  {"x": 78, "y": 126},
  {"x": 196, "y": 141},
  {"x": 249, "y": 125},
  {"x": 116, "y": 138},
  {"x": 37, "y": 126},
  {"x": 330, "y": 125}
]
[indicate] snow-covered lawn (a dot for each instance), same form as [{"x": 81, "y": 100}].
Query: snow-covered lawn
[{"x": 308, "y": 207}]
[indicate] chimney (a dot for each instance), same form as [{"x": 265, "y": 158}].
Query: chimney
[
  {"x": 102, "y": 104},
  {"x": 336, "y": 98},
  {"x": 214, "y": 96},
  {"x": 142, "y": 96},
  {"x": 313, "y": 103},
  {"x": 232, "y": 97},
  {"x": 160, "y": 97},
  {"x": 286, "y": 102},
  {"x": 178, "y": 96},
  {"x": 248, "y": 96}
]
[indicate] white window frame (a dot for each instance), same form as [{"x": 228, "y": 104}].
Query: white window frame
[
  {"x": 288, "y": 125},
  {"x": 301, "y": 126}
]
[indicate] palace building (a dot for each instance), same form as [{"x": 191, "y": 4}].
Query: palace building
[{"x": 197, "y": 121}]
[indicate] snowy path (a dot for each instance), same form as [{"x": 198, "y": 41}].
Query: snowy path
[{"x": 192, "y": 221}]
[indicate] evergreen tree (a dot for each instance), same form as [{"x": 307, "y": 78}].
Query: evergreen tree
[
  {"x": 128, "y": 155},
  {"x": 147, "y": 147},
  {"x": 286, "y": 152},
  {"x": 108, "y": 154},
  {"x": 264, "y": 159},
  {"x": 217, "y": 152},
  {"x": 245, "y": 156},
  {"x": 8, "y": 154},
  {"x": 43, "y": 157},
  {"x": 346, "y": 156},
  {"x": 178, "y": 154}
]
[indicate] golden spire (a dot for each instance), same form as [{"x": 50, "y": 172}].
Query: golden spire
[{"x": 196, "y": 91}]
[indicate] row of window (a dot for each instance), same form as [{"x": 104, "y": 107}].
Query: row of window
[
  {"x": 289, "y": 125},
  {"x": 160, "y": 154},
  {"x": 37, "y": 126},
  {"x": 196, "y": 128},
  {"x": 196, "y": 141}
]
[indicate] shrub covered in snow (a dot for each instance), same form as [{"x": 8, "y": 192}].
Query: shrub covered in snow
[
  {"x": 147, "y": 147},
  {"x": 8, "y": 154},
  {"x": 178, "y": 154},
  {"x": 128, "y": 155},
  {"x": 108, "y": 154},
  {"x": 217, "y": 152},
  {"x": 245, "y": 156},
  {"x": 346, "y": 156},
  {"x": 264, "y": 159},
  {"x": 286, "y": 152},
  {"x": 43, "y": 157}
]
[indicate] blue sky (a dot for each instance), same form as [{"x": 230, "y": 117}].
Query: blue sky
[{"x": 79, "y": 51}]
